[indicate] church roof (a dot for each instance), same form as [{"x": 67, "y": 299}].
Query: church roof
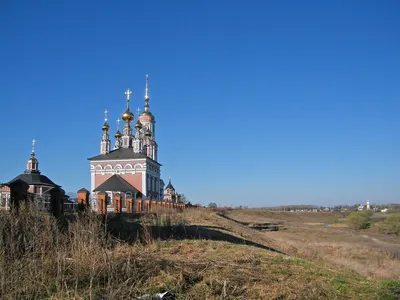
[
  {"x": 169, "y": 185},
  {"x": 121, "y": 153},
  {"x": 34, "y": 178},
  {"x": 17, "y": 183},
  {"x": 115, "y": 184}
]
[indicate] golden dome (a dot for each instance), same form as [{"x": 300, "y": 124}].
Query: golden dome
[
  {"x": 105, "y": 127},
  {"x": 138, "y": 124},
  {"x": 118, "y": 134},
  {"x": 128, "y": 116},
  {"x": 147, "y": 113},
  {"x": 33, "y": 159}
]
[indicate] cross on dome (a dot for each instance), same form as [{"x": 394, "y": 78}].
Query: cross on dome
[
  {"x": 147, "y": 87},
  {"x": 33, "y": 145},
  {"x": 138, "y": 111},
  {"x": 128, "y": 94}
]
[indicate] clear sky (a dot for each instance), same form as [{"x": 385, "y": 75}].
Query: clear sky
[{"x": 258, "y": 103}]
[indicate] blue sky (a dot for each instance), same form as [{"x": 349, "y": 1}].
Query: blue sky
[{"x": 258, "y": 103}]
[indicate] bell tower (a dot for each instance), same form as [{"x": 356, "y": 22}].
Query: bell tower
[{"x": 148, "y": 122}]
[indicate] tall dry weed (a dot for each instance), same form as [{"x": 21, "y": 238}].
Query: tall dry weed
[{"x": 39, "y": 258}]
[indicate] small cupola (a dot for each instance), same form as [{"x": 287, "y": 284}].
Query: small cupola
[{"x": 33, "y": 164}]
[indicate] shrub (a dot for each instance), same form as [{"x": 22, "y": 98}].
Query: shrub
[
  {"x": 359, "y": 220},
  {"x": 212, "y": 205},
  {"x": 391, "y": 225}
]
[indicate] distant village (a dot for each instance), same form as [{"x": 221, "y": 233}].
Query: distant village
[{"x": 341, "y": 208}]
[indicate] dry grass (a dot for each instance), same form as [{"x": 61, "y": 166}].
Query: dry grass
[
  {"x": 366, "y": 253},
  {"x": 41, "y": 259},
  {"x": 197, "y": 269},
  {"x": 200, "y": 216}
]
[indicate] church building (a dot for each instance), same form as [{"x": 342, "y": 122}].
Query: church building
[
  {"x": 130, "y": 167},
  {"x": 170, "y": 194},
  {"x": 34, "y": 186}
]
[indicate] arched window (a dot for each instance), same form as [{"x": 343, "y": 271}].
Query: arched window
[{"x": 128, "y": 167}]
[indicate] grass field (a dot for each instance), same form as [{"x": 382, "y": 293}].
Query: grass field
[
  {"x": 366, "y": 252},
  {"x": 194, "y": 254},
  {"x": 261, "y": 215}
]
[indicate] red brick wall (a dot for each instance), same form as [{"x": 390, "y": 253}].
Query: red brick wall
[
  {"x": 82, "y": 198},
  {"x": 117, "y": 203},
  {"x": 101, "y": 203}
]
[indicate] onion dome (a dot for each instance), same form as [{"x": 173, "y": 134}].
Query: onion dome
[
  {"x": 147, "y": 113},
  {"x": 118, "y": 134},
  {"x": 33, "y": 159},
  {"x": 105, "y": 127},
  {"x": 128, "y": 116},
  {"x": 138, "y": 125}
]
